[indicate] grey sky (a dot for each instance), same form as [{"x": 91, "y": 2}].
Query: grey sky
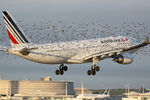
[{"x": 113, "y": 12}]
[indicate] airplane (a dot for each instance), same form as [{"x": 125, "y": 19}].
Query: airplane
[
  {"x": 118, "y": 48},
  {"x": 95, "y": 96}
]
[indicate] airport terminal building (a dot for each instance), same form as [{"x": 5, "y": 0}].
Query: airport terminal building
[{"x": 35, "y": 88}]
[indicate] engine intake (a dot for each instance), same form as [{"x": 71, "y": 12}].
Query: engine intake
[{"x": 124, "y": 58}]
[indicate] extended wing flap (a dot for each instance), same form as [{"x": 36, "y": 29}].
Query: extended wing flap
[{"x": 101, "y": 55}]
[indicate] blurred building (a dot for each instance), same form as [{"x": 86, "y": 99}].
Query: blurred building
[
  {"x": 44, "y": 87},
  {"x": 79, "y": 91}
]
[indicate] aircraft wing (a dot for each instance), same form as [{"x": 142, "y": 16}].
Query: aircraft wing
[
  {"x": 102, "y": 55},
  {"x": 112, "y": 53},
  {"x": 146, "y": 42}
]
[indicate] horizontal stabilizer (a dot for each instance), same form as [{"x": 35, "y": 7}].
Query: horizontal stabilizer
[
  {"x": 3, "y": 49},
  {"x": 26, "y": 51}
]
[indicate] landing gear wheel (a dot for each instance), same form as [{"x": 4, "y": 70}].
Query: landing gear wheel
[
  {"x": 61, "y": 69},
  {"x": 89, "y": 72},
  {"x": 61, "y": 72},
  {"x": 65, "y": 68},
  {"x": 93, "y": 72},
  {"x": 57, "y": 72},
  {"x": 97, "y": 68}
]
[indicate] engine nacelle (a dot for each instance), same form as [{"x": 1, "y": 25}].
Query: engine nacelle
[{"x": 123, "y": 58}]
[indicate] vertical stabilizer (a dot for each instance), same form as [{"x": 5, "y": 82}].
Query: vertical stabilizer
[
  {"x": 15, "y": 34},
  {"x": 106, "y": 92}
]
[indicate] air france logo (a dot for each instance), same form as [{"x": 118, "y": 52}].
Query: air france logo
[
  {"x": 126, "y": 39},
  {"x": 114, "y": 40}
]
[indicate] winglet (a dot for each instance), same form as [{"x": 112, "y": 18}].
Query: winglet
[{"x": 147, "y": 40}]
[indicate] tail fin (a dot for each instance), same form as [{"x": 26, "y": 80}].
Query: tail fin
[
  {"x": 106, "y": 92},
  {"x": 15, "y": 34}
]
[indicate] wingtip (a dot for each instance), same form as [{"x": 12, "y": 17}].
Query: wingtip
[{"x": 147, "y": 40}]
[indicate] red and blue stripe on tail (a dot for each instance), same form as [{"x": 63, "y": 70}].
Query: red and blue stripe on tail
[{"x": 15, "y": 34}]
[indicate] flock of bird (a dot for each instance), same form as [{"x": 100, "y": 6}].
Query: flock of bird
[{"x": 47, "y": 32}]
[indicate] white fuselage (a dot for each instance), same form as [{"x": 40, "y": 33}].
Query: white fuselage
[
  {"x": 93, "y": 96},
  {"x": 72, "y": 51}
]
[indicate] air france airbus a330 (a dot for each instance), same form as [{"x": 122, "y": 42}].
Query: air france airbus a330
[{"x": 73, "y": 52}]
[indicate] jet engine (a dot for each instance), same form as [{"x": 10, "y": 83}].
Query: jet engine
[{"x": 123, "y": 58}]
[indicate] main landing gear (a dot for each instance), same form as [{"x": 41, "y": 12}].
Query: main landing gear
[
  {"x": 61, "y": 69},
  {"x": 94, "y": 68},
  {"x": 92, "y": 71}
]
